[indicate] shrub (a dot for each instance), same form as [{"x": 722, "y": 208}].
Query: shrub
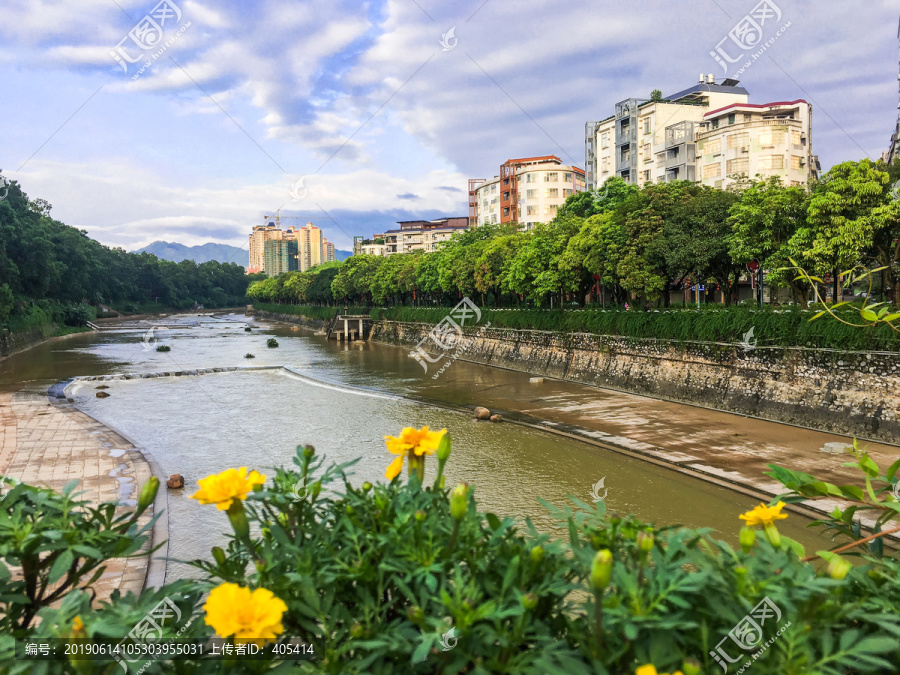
[
  {"x": 271, "y": 343},
  {"x": 247, "y": 329},
  {"x": 163, "y": 348},
  {"x": 400, "y": 577},
  {"x": 248, "y": 355}
]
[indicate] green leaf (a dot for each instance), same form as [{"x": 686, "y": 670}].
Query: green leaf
[
  {"x": 852, "y": 491},
  {"x": 61, "y": 565},
  {"x": 868, "y": 315},
  {"x": 493, "y": 521}
]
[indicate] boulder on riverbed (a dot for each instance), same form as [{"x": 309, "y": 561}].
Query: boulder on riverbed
[
  {"x": 496, "y": 418},
  {"x": 102, "y": 394},
  {"x": 102, "y": 386},
  {"x": 482, "y": 413},
  {"x": 176, "y": 480}
]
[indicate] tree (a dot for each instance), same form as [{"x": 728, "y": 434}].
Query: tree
[
  {"x": 839, "y": 225},
  {"x": 763, "y": 222},
  {"x": 656, "y": 95}
]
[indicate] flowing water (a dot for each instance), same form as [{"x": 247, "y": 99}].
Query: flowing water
[{"x": 343, "y": 399}]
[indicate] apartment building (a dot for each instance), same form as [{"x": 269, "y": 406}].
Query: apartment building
[
  {"x": 634, "y": 142},
  {"x": 746, "y": 140},
  {"x": 413, "y": 235},
  {"x": 258, "y": 238},
  {"x": 527, "y": 191},
  {"x": 893, "y": 151},
  {"x": 328, "y": 252},
  {"x": 279, "y": 256},
  {"x": 309, "y": 245}
]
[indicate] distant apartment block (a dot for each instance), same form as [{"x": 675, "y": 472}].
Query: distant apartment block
[
  {"x": 527, "y": 191},
  {"x": 413, "y": 235},
  {"x": 274, "y": 251},
  {"x": 655, "y": 141},
  {"x": 280, "y": 255},
  {"x": 258, "y": 238}
]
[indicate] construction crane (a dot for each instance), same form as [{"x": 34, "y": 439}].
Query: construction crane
[{"x": 277, "y": 217}]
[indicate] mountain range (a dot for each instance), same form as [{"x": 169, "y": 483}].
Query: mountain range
[{"x": 205, "y": 252}]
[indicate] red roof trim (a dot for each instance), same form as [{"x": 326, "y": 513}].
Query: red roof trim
[
  {"x": 531, "y": 159},
  {"x": 756, "y": 105}
]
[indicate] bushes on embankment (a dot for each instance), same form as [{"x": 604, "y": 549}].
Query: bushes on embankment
[{"x": 787, "y": 327}]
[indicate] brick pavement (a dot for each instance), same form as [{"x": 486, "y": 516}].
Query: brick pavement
[{"x": 48, "y": 444}]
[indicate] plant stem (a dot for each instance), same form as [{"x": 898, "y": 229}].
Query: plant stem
[
  {"x": 598, "y": 621},
  {"x": 453, "y": 536},
  {"x": 855, "y": 543}
]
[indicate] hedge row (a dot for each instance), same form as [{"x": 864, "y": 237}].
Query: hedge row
[{"x": 787, "y": 327}]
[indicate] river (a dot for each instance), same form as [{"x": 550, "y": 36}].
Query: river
[{"x": 343, "y": 399}]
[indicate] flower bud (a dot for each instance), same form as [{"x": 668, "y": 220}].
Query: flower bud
[
  {"x": 838, "y": 567},
  {"x": 645, "y": 541},
  {"x": 529, "y": 601},
  {"x": 443, "y": 451},
  {"x": 309, "y": 451},
  {"x": 537, "y": 554},
  {"x": 415, "y": 614},
  {"x": 316, "y": 489},
  {"x": 356, "y": 630},
  {"x": 367, "y": 486},
  {"x": 148, "y": 494},
  {"x": 747, "y": 538},
  {"x": 691, "y": 667},
  {"x": 349, "y": 510},
  {"x": 615, "y": 518},
  {"x": 78, "y": 630},
  {"x": 218, "y": 555},
  {"x": 601, "y": 570},
  {"x": 420, "y": 516},
  {"x": 459, "y": 501}
]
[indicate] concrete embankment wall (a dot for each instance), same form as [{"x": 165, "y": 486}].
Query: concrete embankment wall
[
  {"x": 10, "y": 343},
  {"x": 844, "y": 392},
  {"x": 291, "y": 318}
]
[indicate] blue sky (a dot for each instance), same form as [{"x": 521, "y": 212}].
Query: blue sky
[{"x": 364, "y": 104}]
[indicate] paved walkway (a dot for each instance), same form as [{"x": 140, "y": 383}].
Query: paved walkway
[{"x": 48, "y": 444}]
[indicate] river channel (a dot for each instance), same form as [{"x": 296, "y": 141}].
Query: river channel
[{"x": 344, "y": 399}]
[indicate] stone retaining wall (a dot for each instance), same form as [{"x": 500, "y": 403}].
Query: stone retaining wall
[
  {"x": 845, "y": 392},
  {"x": 291, "y": 318},
  {"x": 10, "y": 343}
]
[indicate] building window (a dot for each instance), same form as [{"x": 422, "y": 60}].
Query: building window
[
  {"x": 712, "y": 170},
  {"x": 795, "y": 136},
  {"x": 532, "y": 210},
  {"x": 647, "y": 174},
  {"x": 771, "y": 162},
  {"x": 551, "y": 193},
  {"x": 567, "y": 178},
  {"x": 494, "y": 218},
  {"x": 741, "y": 165},
  {"x": 795, "y": 161},
  {"x": 715, "y": 124},
  {"x": 748, "y": 118},
  {"x": 795, "y": 183},
  {"x": 550, "y": 210},
  {"x": 604, "y": 164},
  {"x": 739, "y": 140},
  {"x": 771, "y": 138},
  {"x": 567, "y": 192},
  {"x": 647, "y": 126},
  {"x": 648, "y": 153},
  {"x": 604, "y": 139},
  {"x": 713, "y": 147},
  {"x": 731, "y": 118},
  {"x": 531, "y": 194},
  {"x": 506, "y": 196},
  {"x": 551, "y": 177}
]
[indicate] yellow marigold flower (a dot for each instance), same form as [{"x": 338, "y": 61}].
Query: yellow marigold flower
[
  {"x": 412, "y": 442},
  {"x": 650, "y": 669},
  {"x": 223, "y": 488},
  {"x": 78, "y": 627},
  {"x": 763, "y": 515},
  {"x": 233, "y": 610}
]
